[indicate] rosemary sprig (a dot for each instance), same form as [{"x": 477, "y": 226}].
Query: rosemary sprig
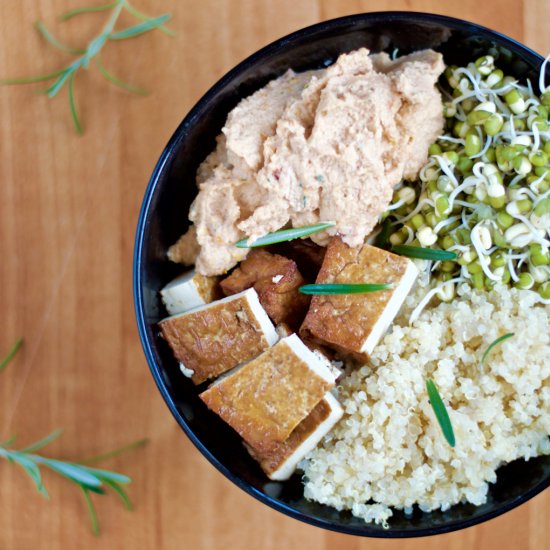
[
  {"x": 68, "y": 74},
  {"x": 424, "y": 253},
  {"x": 285, "y": 235},
  {"x": 334, "y": 288},
  {"x": 440, "y": 412},
  {"x": 495, "y": 343},
  {"x": 11, "y": 354},
  {"x": 86, "y": 478}
]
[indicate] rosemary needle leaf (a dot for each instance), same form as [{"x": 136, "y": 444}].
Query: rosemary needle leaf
[
  {"x": 331, "y": 288},
  {"x": 121, "y": 493},
  {"x": 423, "y": 253},
  {"x": 72, "y": 105},
  {"x": 285, "y": 235},
  {"x": 31, "y": 79},
  {"x": 117, "y": 81},
  {"x": 440, "y": 412},
  {"x": 52, "y": 40},
  {"x": 32, "y": 470},
  {"x": 78, "y": 474},
  {"x": 104, "y": 475},
  {"x": 40, "y": 444},
  {"x": 140, "y": 28},
  {"x": 91, "y": 512},
  {"x": 9, "y": 441},
  {"x": 116, "y": 452},
  {"x": 11, "y": 354},
  {"x": 91, "y": 9},
  {"x": 143, "y": 17},
  {"x": 495, "y": 343}
]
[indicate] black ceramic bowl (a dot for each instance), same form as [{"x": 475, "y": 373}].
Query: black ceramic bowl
[{"x": 163, "y": 219}]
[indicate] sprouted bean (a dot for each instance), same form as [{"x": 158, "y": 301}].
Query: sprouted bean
[{"x": 484, "y": 192}]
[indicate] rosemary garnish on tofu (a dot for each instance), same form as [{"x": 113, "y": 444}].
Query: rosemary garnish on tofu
[
  {"x": 285, "y": 235},
  {"x": 355, "y": 288},
  {"x": 440, "y": 412},
  {"x": 92, "y": 50}
]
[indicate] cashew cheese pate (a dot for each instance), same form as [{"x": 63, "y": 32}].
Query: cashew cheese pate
[{"x": 320, "y": 145}]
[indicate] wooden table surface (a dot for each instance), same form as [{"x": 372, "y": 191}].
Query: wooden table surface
[{"x": 68, "y": 211}]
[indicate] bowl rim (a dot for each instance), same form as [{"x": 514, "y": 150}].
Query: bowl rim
[{"x": 171, "y": 147}]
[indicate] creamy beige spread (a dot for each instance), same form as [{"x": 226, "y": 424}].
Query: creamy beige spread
[{"x": 324, "y": 145}]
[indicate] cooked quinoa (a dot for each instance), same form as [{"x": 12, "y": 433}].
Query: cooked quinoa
[{"x": 388, "y": 450}]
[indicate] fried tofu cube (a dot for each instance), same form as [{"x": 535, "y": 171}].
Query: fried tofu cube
[
  {"x": 307, "y": 255},
  {"x": 190, "y": 290},
  {"x": 276, "y": 280},
  {"x": 212, "y": 339},
  {"x": 265, "y": 399},
  {"x": 354, "y": 323},
  {"x": 280, "y": 462}
]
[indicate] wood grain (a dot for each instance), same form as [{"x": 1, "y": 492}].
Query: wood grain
[{"x": 68, "y": 210}]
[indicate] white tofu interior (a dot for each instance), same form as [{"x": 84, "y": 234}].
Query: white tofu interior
[
  {"x": 313, "y": 361},
  {"x": 263, "y": 318},
  {"x": 391, "y": 309},
  {"x": 286, "y": 469},
  {"x": 188, "y": 373},
  {"x": 181, "y": 294},
  {"x": 331, "y": 365}
]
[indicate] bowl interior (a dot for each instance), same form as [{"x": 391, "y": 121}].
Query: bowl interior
[{"x": 164, "y": 218}]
